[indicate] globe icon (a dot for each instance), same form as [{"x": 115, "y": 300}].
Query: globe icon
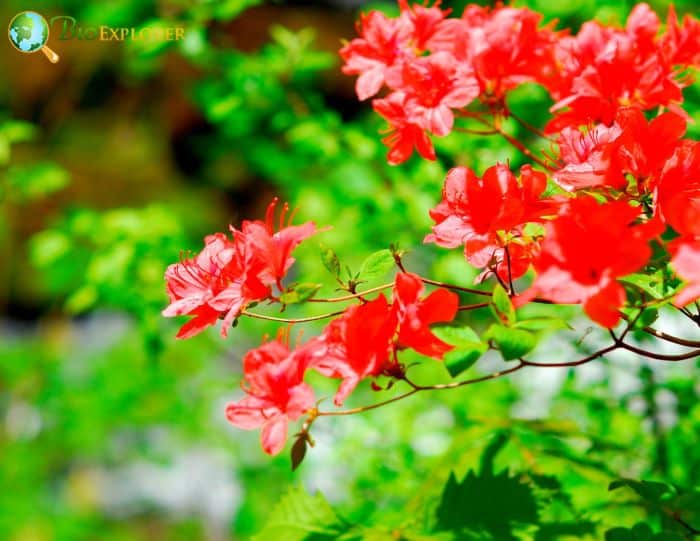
[{"x": 29, "y": 31}]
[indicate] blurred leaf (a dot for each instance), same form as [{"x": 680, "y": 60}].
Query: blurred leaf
[
  {"x": 29, "y": 182},
  {"x": 299, "y": 516}
]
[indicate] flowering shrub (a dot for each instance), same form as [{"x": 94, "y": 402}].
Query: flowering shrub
[{"x": 607, "y": 215}]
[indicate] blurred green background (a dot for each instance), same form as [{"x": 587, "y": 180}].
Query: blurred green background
[{"x": 123, "y": 156}]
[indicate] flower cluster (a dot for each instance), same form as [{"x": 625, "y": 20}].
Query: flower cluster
[
  {"x": 617, "y": 199},
  {"x": 621, "y": 177},
  {"x": 434, "y": 66},
  {"x": 361, "y": 343},
  {"x": 228, "y": 274}
]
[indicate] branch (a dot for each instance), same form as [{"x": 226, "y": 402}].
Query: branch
[{"x": 291, "y": 320}]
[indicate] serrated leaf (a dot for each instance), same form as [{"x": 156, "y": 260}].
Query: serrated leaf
[
  {"x": 298, "y": 516},
  {"x": 504, "y": 306},
  {"x": 330, "y": 260},
  {"x": 468, "y": 348},
  {"x": 649, "y": 491},
  {"x": 376, "y": 265},
  {"x": 486, "y": 503},
  {"x": 512, "y": 343},
  {"x": 299, "y": 293}
]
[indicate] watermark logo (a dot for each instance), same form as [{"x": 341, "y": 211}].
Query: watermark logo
[{"x": 29, "y": 33}]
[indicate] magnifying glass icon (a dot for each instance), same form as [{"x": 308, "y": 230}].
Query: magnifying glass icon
[{"x": 29, "y": 33}]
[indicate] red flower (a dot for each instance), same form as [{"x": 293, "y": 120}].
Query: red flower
[
  {"x": 362, "y": 342},
  {"x": 229, "y": 274},
  {"x": 356, "y": 345},
  {"x": 415, "y": 315},
  {"x": 433, "y": 85},
  {"x": 485, "y": 215},
  {"x": 678, "y": 193},
  {"x": 609, "y": 68},
  {"x": 277, "y": 394},
  {"x": 585, "y": 250},
  {"x": 686, "y": 261},
  {"x": 602, "y": 156},
  {"x": 424, "y": 22},
  {"x": 381, "y": 44},
  {"x": 404, "y": 135},
  {"x": 681, "y": 44},
  {"x": 586, "y": 157},
  {"x": 508, "y": 49},
  {"x": 273, "y": 249},
  {"x": 643, "y": 147}
]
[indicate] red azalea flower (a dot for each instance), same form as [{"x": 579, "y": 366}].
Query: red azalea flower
[
  {"x": 482, "y": 214},
  {"x": 608, "y": 68},
  {"x": 681, "y": 43},
  {"x": 415, "y": 315},
  {"x": 383, "y": 41},
  {"x": 686, "y": 261},
  {"x": 586, "y": 249},
  {"x": 277, "y": 394},
  {"x": 273, "y": 249},
  {"x": 678, "y": 193},
  {"x": 356, "y": 345},
  {"x": 586, "y": 156},
  {"x": 644, "y": 147},
  {"x": 229, "y": 274},
  {"x": 404, "y": 135},
  {"x": 203, "y": 286},
  {"x": 433, "y": 85},
  {"x": 507, "y": 48},
  {"x": 602, "y": 156},
  {"x": 424, "y": 22}
]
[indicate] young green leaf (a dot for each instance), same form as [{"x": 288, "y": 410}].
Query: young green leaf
[
  {"x": 376, "y": 265},
  {"x": 512, "y": 343},
  {"x": 299, "y": 293},
  {"x": 468, "y": 348},
  {"x": 503, "y": 305},
  {"x": 330, "y": 260}
]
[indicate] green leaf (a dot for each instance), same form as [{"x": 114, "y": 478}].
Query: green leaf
[
  {"x": 299, "y": 293},
  {"x": 330, "y": 260},
  {"x": 649, "y": 491},
  {"x": 29, "y": 182},
  {"x": 504, "y": 306},
  {"x": 376, "y": 265},
  {"x": 299, "y": 516},
  {"x": 486, "y": 503},
  {"x": 512, "y": 343},
  {"x": 468, "y": 348},
  {"x": 652, "y": 284}
]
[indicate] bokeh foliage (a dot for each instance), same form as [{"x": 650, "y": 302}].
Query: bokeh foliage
[{"x": 123, "y": 157}]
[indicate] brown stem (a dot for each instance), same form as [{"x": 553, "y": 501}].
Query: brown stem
[
  {"x": 468, "y": 307},
  {"x": 670, "y": 338},
  {"x": 660, "y": 356},
  {"x": 585, "y": 360}
]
